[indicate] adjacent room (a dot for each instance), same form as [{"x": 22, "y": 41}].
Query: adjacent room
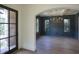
[
  {"x": 57, "y": 29},
  {"x": 39, "y": 29}
]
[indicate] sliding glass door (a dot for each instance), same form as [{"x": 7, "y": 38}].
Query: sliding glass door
[{"x": 8, "y": 30}]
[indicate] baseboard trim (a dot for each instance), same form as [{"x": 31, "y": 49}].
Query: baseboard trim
[{"x": 28, "y": 50}]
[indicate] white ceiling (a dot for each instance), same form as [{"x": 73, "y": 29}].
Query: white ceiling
[{"x": 58, "y": 12}]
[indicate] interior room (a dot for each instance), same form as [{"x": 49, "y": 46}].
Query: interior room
[
  {"x": 39, "y": 29},
  {"x": 55, "y": 27}
]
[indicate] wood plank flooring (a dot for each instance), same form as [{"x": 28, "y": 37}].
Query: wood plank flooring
[
  {"x": 57, "y": 45},
  {"x": 54, "y": 45}
]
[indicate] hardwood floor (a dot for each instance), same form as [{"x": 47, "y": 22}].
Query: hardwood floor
[
  {"x": 57, "y": 45},
  {"x": 54, "y": 45}
]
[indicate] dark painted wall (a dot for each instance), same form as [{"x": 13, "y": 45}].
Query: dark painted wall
[
  {"x": 76, "y": 25},
  {"x": 41, "y": 26},
  {"x": 57, "y": 29}
]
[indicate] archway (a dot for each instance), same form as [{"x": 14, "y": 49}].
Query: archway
[{"x": 57, "y": 23}]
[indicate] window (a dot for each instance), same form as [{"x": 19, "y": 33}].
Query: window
[
  {"x": 37, "y": 25},
  {"x": 66, "y": 25},
  {"x": 8, "y": 35},
  {"x": 3, "y": 30},
  {"x": 3, "y": 27},
  {"x": 46, "y": 25}
]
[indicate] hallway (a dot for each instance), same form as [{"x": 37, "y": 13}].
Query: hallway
[{"x": 57, "y": 45}]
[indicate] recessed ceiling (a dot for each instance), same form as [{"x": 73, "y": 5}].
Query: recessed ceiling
[{"x": 58, "y": 12}]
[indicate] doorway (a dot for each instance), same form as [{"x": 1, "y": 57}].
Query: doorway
[{"x": 56, "y": 33}]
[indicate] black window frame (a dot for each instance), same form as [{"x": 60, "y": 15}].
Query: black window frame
[{"x": 16, "y": 24}]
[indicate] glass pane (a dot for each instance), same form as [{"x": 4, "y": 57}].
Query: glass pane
[
  {"x": 3, "y": 15},
  {"x": 12, "y": 17},
  {"x": 12, "y": 29},
  {"x": 3, "y": 30},
  {"x": 12, "y": 42},
  {"x": 37, "y": 25},
  {"x": 4, "y": 45},
  {"x": 66, "y": 25},
  {"x": 46, "y": 25}
]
